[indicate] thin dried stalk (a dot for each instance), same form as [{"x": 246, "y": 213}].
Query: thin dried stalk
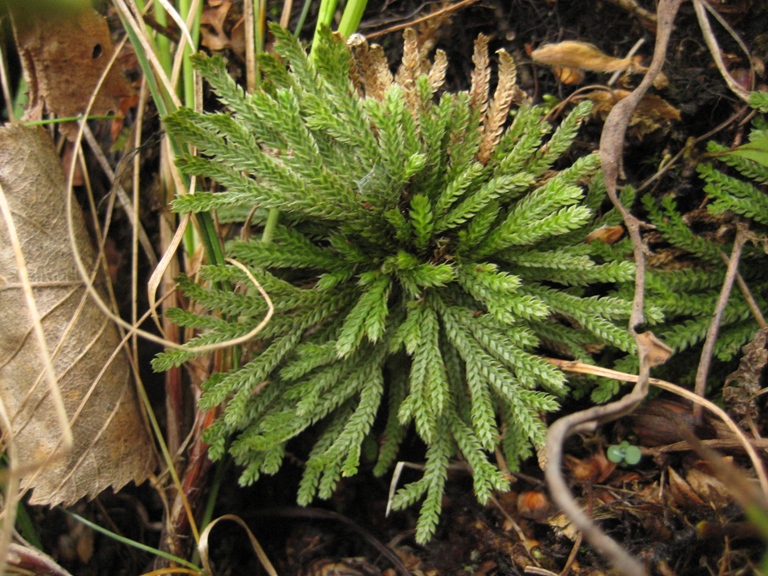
[
  {"x": 714, "y": 49},
  {"x": 611, "y": 148},
  {"x": 743, "y": 441},
  {"x": 714, "y": 326},
  {"x": 440, "y": 14}
]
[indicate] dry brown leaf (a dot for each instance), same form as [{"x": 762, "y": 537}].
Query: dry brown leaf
[
  {"x": 651, "y": 349},
  {"x": 567, "y": 75},
  {"x": 708, "y": 486},
  {"x": 652, "y": 112},
  {"x": 680, "y": 492},
  {"x": 63, "y": 58},
  {"x": 111, "y": 446},
  {"x": 595, "y": 468},
  {"x": 742, "y": 386},
  {"x": 533, "y": 504},
  {"x": 212, "y": 22},
  {"x": 605, "y": 234},
  {"x": 581, "y": 55}
]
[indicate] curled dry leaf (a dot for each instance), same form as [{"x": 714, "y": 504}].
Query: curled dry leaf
[
  {"x": 568, "y": 75},
  {"x": 111, "y": 446},
  {"x": 596, "y": 468},
  {"x": 581, "y": 55},
  {"x": 212, "y": 21},
  {"x": 699, "y": 488},
  {"x": 605, "y": 234},
  {"x": 568, "y": 58},
  {"x": 652, "y": 350},
  {"x": 533, "y": 504},
  {"x": 64, "y": 56}
]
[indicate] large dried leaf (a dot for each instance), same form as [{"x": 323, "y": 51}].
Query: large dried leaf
[
  {"x": 64, "y": 55},
  {"x": 111, "y": 446}
]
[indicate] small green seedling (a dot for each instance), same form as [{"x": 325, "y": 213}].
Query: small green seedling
[{"x": 624, "y": 453}]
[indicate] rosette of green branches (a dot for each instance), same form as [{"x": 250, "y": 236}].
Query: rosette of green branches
[{"x": 426, "y": 254}]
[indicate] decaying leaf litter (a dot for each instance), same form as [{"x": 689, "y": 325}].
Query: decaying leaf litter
[{"x": 499, "y": 539}]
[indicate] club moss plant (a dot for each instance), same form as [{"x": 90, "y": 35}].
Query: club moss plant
[{"x": 426, "y": 255}]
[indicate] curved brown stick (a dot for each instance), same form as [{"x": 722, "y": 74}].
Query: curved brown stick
[{"x": 611, "y": 148}]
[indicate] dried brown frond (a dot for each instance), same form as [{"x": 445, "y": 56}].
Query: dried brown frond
[
  {"x": 481, "y": 75},
  {"x": 357, "y": 47},
  {"x": 370, "y": 71},
  {"x": 496, "y": 115},
  {"x": 380, "y": 68},
  {"x": 409, "y": 70},
  {"x": 437, "y": 71}
]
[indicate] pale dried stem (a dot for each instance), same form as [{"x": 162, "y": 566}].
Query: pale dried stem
[
  {"x": 202, "y": 547},
  {"x": 85, "y": 275},
  {"x": 10, "y": 490},
  {"x": 140, "y": 30},
  {"x": 160, "y": 275},
  {"x": 6, "y": 85},
  {"x": 135, "y": 20},
  {"x": 137, "y": 228},
  {"x": 707, "y": 350},
  {"x": 714, "y": 50},
  {"x": 611, "y": 148},
  {"x": 285, "y": 15},
  {"x": 581, "y": 368},
  {"x": 250, "y": 43},
  {"x": 747, "y": 293},
  {"x": 125, "y": 202},
  {"x": 525, "y": 541},
  {"x": 636, "y": 9},
  {"x": 628, "y": 57},
  {"x": 186, "y": 38},
  {"x": 176, "y": 17},
  {"x": 672, "y": 162}
]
